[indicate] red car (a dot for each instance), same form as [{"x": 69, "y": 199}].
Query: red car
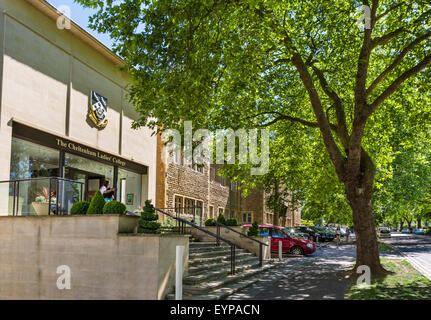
[{"x": 289, "y": 244}]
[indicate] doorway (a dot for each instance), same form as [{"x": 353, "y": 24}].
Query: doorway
[{"x": 91, "y": 181}]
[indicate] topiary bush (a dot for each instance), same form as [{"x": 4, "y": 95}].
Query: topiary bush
[
  {"x": 210, "y": 222},
  {"x": 79, "y": 207},
  {"x": 231, "y": 222},
  {"x": 254, "y": 230},
  {"x": 221, "y": 219},
  {"x": 114, "y": 207},
  {"x": 96, "y": 204},
  {"x": 147, "y": 220}
]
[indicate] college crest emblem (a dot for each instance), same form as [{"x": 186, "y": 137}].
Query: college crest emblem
[{"x": 98, "y": 109}]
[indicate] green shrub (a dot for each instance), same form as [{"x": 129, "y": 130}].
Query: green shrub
[
  {"x": 79, "y": 207},
  {"x": 428, "y": 231},
  {"x": 114, "y": 207},
  {"x": 254, "y": 230},
  {"x": 145, "y": 226},
  {"x": 221, "y": 219},
  {"x": 147, "y": 220},
  {"x": 210, "y": 222},
  {"x": 231, "y": 222},
  {"x": 96, "y": 204}
]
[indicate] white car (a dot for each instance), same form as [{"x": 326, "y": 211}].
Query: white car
[{"x": 383, "y": 232}]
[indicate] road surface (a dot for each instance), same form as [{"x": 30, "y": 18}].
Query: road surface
[{"x": 417, "y": 248}]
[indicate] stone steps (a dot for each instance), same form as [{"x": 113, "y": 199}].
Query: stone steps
[
  {"x": 207, "y": 244},
  {"x": 209, "y": 273},
  {"x": 217, "y": 258},
  {"x": 209, "y": 249},
  {"x": 206, "y": 276},
  {"x": 225, "y": 252},
  {"x": 206, "y": 267}
]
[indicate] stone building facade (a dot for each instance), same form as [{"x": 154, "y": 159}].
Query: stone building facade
[{"x": 202, "y": 192}]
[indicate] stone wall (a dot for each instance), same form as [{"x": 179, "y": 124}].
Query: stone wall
[{"x": 103, "y": 263}]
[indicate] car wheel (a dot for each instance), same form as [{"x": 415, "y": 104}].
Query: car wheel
[{"x": 297, "y": 250}]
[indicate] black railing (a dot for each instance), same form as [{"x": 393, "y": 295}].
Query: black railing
[
  {"x": 41, "y": 196},
  {"x": 261, "y": 244},
  {"x": 182, "y": 229},
  {"x": 195, "y": 211}
]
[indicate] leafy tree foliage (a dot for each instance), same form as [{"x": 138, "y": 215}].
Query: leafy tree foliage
[{"x": 304, "y": 69}]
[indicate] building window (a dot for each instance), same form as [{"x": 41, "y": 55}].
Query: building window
[
  {"x": 178, "y": 204},
  {"x": 189, "y": 206},
  {"x": 211, "y": 214},
  {"x": 129, "y": 188},
  {"x": 247, "y": 217},
  {"x": 198, "y": 212}
]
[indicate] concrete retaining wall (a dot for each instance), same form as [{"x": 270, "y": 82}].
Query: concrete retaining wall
[{"x": 103, "y": 263}]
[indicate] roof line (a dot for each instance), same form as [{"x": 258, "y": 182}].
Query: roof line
[{"x": 50, "y": 11}]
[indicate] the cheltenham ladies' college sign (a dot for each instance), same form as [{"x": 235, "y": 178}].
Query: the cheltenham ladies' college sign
[{"x": 98, "y": 109}]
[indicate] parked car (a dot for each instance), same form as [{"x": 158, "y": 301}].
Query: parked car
[
  {"x": 295, "y": 233},
  {"x": 406, "y": 231},
  {"x": 312, "y": 233},
  {"x": 383, "y": 232},
  {"x": 325, "y": 234},
  {"x": 419, "y": 231},
  {"x": 289, "y": 244}
]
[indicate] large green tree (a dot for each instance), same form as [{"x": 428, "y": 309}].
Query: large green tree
[{"x": 237, "y": 63}]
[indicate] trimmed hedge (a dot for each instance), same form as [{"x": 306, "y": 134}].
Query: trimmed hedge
[
  {"x": 114, "y": 207},
  {"x": 254, "y": 230},
  {"x": 147, "y": 220},
  {"x": 232, "y": 222},
  {"x": 96, "y": 204},
  {"x": 210, "y": 222},
  {"x": 221, "y": 219},
  {"x": 79, "y": 207}
]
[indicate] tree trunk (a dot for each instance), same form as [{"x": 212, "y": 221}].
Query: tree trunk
[
  {"x": 401, "y": 224},
  {"x": 409, "y": 223},
  {"x": 367, "y": 248},
  {"x": 419, "y": 223}
]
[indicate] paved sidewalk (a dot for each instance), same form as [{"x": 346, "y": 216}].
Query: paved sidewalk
[{"x": 319, "y": 276}]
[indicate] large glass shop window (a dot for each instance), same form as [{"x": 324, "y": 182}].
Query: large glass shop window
[
  {"x": 30, "y": 160},
  {"x": 35, "y": 163},
  {"x": 129, "y": 189}
]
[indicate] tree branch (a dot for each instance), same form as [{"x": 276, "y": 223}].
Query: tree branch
[
  {"x": 397, "y": 61},
  {"x": 389, "y": 10},
  {"x": 284, "y": 117},
  {"x": 342, "y": 131},
  {"x": 383, "y": 39},
  {"x": 397, "y": 82},
  {"x": 324, "y": 125}
]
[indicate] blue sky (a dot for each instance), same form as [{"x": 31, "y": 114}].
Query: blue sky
[{"x": 80, "y": 16}]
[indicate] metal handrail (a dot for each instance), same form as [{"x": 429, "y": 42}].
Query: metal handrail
[
  {"x": 16, "y": 185},
  {"x": 218, "y": 224},
  {"x": 217, "y": 236},
  {"x": 197, "y": 227},
  {"x": 236, "y": 231}
]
